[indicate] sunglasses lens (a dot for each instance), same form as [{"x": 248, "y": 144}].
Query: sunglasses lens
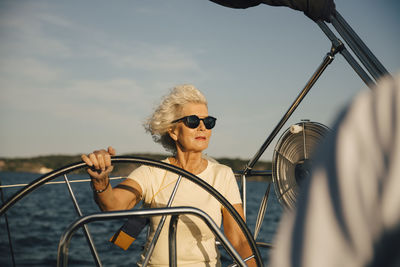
[
  {"x": 192, "y": 121},
  {"x": 209, "y": 122}
]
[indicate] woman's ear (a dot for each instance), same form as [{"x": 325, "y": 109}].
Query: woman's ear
[{"x": 173, "y": 133}]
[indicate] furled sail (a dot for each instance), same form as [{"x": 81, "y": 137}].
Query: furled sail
[{"x": 314, "y": 9}]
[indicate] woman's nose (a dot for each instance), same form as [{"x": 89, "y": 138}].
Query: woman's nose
[{"x": 201, "y": 126}]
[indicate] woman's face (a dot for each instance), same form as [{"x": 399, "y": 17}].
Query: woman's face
[{"x": 187, "y": 139}]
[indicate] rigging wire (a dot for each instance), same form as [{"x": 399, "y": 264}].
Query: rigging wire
[{"x": 57, "y": 182}]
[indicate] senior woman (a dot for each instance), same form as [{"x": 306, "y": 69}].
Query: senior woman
[{"x": 182, "y": 125}]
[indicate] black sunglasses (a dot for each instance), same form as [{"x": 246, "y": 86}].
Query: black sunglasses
[{"x": 193, "y": 121}]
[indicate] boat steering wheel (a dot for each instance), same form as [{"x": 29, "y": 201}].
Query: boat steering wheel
[{"x": 145, "y": 161}]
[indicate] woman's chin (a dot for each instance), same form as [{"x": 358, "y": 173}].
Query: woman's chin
[{"x": 197, "y": 149}]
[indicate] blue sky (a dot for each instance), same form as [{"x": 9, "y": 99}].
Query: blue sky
[{"x": 80, "y": 75}]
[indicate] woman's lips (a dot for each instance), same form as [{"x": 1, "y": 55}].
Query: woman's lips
[{"x": 200, "y": 138}]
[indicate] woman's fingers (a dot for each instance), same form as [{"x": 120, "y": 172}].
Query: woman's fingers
[
  {"x": 93, "y": 174},
  {"x": 100, "y": 160},
  {"x": 93, "y": 158},
  {"x": 111, "y": 151},
  {"x": 100, "y": 174},
  {"x": 109, "y": 169},
  {"x": 107, "y": 160},
  {"x": 86, "y": 160}
]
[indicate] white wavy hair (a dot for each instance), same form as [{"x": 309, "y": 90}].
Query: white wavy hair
[{"x": 159, "y": 123}]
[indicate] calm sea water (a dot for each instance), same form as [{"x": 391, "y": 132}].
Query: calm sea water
[{"x": 38, "y": 221}]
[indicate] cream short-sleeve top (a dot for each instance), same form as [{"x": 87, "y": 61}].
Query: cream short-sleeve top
[{"x": 195, "y": 242}]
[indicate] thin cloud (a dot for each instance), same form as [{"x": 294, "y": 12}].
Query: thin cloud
[
  {"x": 30, "y": 70},
  {"x": 145, "y": 56},
  {"x": 23, "y": 33},
  {"x": 33, "y": 34}
]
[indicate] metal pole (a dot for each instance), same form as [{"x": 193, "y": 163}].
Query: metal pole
[
  {"x": 85, "y": 227},
  {"x": 339, "y": 20},
  {"x": 360, "y": 55},
  {"x": 261, "y": 212},
  {"x": 349, "y": 58},
  {"x": 327, "y": 60},
  {"x": 304, "y": 141},
  {"x": 160, "y": 225},
  {"x": 173, "y": 227},
  {"x": 244, "y": 196}
]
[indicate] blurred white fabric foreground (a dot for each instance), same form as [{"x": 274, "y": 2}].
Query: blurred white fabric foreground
[{"x": 348, "y": 213}]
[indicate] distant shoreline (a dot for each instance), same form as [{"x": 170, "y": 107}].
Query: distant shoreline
[{"x": 45, "y": 164}]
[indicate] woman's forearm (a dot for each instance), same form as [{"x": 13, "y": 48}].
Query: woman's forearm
[
  {"x": 244, "y": 250},
  {"x": 104, "y": 195},
  {"x": 236, "y": 236},
  {"x": 123, "y": 196}
]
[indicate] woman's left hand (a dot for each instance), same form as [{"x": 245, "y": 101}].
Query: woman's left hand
[{"x": 99, "y": 163}]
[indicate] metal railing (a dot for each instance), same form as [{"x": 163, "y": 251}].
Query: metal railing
[{"x": 62, "y": 258}]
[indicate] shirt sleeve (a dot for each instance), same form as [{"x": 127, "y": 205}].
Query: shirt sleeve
[
  {"x": 142, "y": 175},
  {"x": 232, "y": 193}
]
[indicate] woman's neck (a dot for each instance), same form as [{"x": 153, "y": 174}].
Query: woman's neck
[{"x": 190, "y": 161}]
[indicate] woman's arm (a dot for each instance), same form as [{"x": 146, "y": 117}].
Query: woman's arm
[
  {"x": 124, "y": 196},
  {"x": 235, "y": 235}
]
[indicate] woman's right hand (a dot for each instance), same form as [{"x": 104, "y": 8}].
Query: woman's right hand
[{"x": 99, "y": 163}]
